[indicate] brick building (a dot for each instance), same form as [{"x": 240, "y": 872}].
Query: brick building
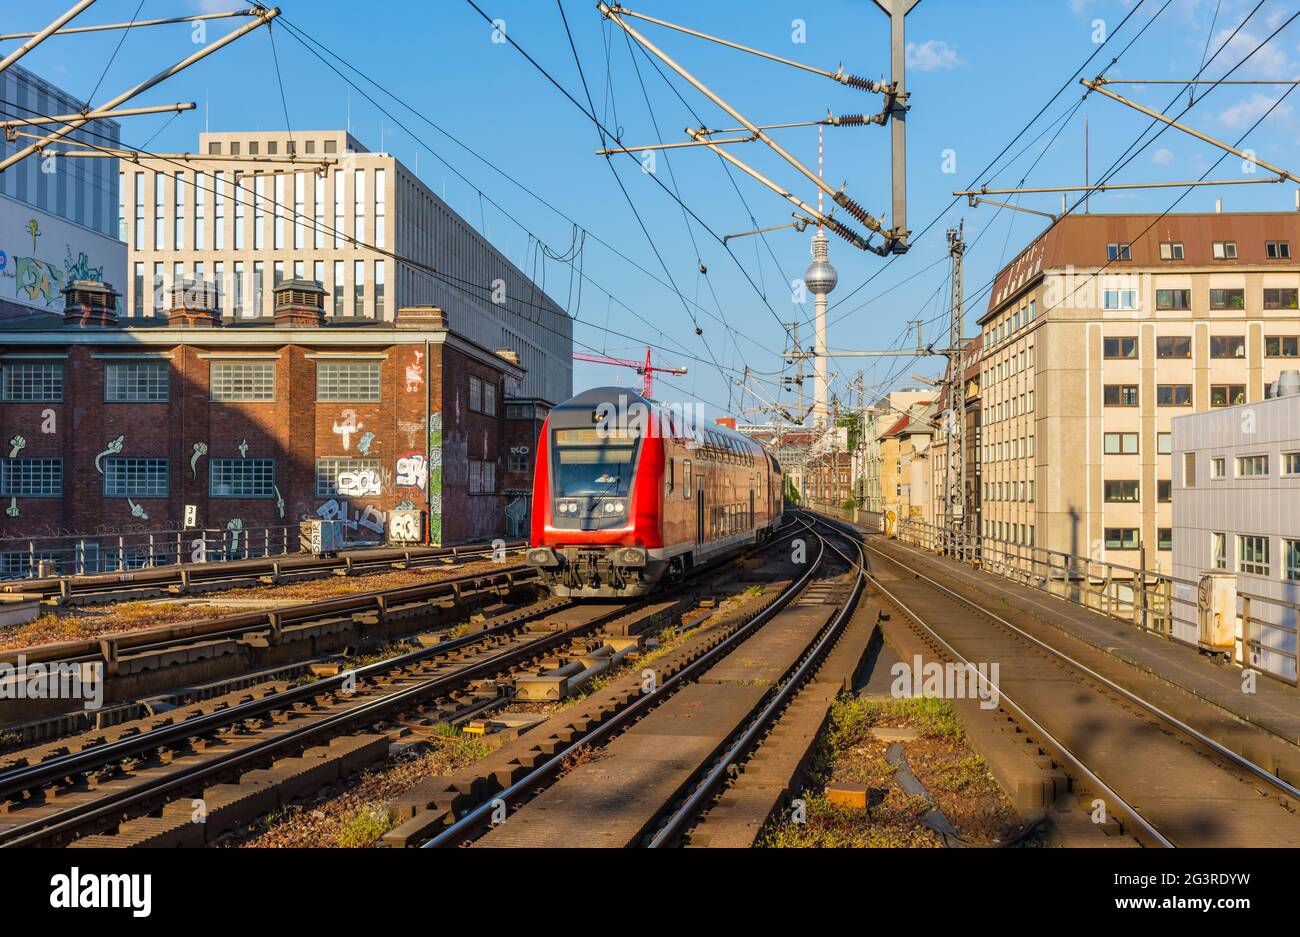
[
  {"x": 524, "y": 418},
  {"x": 251, "y": 422}
]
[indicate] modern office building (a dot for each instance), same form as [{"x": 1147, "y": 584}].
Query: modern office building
[
  {"x": 1096, "y": 337},
  {"x": 58, "y": 215},
  {"x": 1236, "y": 512},
  {"x": 244, "y": 217}
]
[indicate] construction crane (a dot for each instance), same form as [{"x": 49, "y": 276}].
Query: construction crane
[{"x": 645, "y": 368}]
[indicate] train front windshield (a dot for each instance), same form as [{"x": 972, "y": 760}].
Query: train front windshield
[{"x": 591, "y": 464}]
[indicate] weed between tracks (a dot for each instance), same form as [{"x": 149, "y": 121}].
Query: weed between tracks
[
  {"x": 357, "y": 812},
  {"x": 956, "y": 780}
]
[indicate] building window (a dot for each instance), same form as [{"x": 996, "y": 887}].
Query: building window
[
  {"x": 1119, "y": 299},
  {"x": 359, "y": 288},
  {"x": 178, "y": 211},
  {"x": 339, "y": 287},
  {"x": 1218, "y": 467},
  {"x": 1120, "y": 395},
  {"x": 519, "y": 464},
  {"x": 31, "y": 478},
  {"x": 1171, "y": 250},
  {"x": 243, "y": 380},
  {"x": 1173, "y": 299},
  {"x": 1173, "y": 395},
  {"x": 138, "y": 306},
  {"x": 381, "y": 208},
  {"x": 1219, "y": 550},
  {"x": 318, "y": 204},
  {"x": 1227, "y": 395},
  {"x": 1227, "y": 346},
  {"x": 135, "y": 478},
  {"x": 1119, "y": 252},
  {"x": 1282, "y": 346},
  {"x": 1121, "y": 491},
  {"x": 329, "y": 469},
  {"x": 139, "y": 211},
  {"x": 1121, "y": 538},
  {"x": 1173, "y": 346},
  {"x": 380, "y": 299},
  {"x": 136, "y": 382},
  {"x": 1281, "y": 299},
  {"x": 482, "y": 477},
  {"x": 489, "y": 398},
  {"x": 31, "y": 382},
  {"x": 1164, "y": 491},
  {"x": 1121, "y": 443},
  {"x": 1291, "y": 463},
  {"x": 158, "y": 211},
  {"x": 359, "y": 205},
  {"x": 1164, "y": 538},
  {"x": 1252, "y": 466},
  {"x": 238, "y": 196},
  {"x": 1120, "y": 347},
  {"x": 241, "y": 478},
  {"x": 1291, "y": 554},
  {"x": 1227, "y": 299},
  {"x": 1225, "y": 250},
  {"x": 259, "y": 218},
  {"x": 344, "y": 381},
  {"x": 475, "y": 394},
  {"x": 1252, "y": 555},
  {"x": 1278, "y": 250},
  {"x": 299, "y": 210},
  {"x": 1164, "y": 443}
]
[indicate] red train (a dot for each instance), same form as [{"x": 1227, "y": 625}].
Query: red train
[{"x": 626, "y": 494}]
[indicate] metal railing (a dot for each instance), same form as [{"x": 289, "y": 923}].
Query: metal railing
[
  {"x": 1156, "y": 602},
  {"x": 41, "y": 557}
]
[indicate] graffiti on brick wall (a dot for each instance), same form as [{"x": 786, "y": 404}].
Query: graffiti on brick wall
[
  {"x": 137, "y": 510},
  {"x": 16, "y": 445},
  {"x": 415, "y": 373},
  {"x": 435, "y": 478},
  {"x": 243, "y": 448},
  {"x": 365, "y": 442},
  {"x": 413, "y": 471},
  {"x": 404, "y": 527},
  {"x": 114, "y": 448},
  {"x": 348, "y": 427},
  {"x": 200, "y": 450},
  {"x": 369, "y": 517},
  {"x": 358, "y": 484},
  {"x": 279, "y": 500}
]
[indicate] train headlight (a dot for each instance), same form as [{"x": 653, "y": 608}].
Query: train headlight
[{"x": 567, "y": 507}]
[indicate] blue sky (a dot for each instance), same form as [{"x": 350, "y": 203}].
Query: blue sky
[{"x": 979, "y": 70}]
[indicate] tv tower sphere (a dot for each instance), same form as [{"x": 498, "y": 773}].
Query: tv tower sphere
[{"x": 820, "y": 277}]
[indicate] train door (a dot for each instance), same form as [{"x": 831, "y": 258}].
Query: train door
[
  {"x": 751, "y": 508},
  {"x": 699, "y": 510}
]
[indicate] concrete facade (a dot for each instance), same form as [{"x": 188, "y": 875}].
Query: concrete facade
[
  {"x": 1097, "y": 336},
  {"x": 342, "y": 216},
  {"x": 1236, "y": 509}
]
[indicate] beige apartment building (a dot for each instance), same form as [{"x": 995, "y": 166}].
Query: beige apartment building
[
  {"x": 244, "y": 215},
  {"x": 880, "y": 459},
  {"x": 1098, "y": 335}
]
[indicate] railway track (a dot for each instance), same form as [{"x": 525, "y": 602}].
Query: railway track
[
  {"x": 268, "y": 735},
  {"x": 183, "y": 578},
  {"x": 1168, "y": 783},
  {"x": 642, "y": 779}
]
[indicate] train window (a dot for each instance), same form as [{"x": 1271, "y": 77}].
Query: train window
[{"x": 671, "y": 475}]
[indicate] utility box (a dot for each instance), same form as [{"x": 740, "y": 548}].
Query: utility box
[
  {"x": 405, "y": 527},
  {"x": 321, "y": 538},
  {"x": 1217, "y": 627}
]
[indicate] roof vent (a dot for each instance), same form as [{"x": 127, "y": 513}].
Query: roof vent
[
  {"x": 89, "y": 303},
  {"x": 433, "y": 318},
  {"x": 1287, "y": 385},
  {"x": 195, "y": 304},
  {"x": 299, "y": 303}
]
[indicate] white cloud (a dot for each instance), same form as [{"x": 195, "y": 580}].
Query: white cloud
[
  {"x": 931, "y": 56},
  {"x": 1244, "y": 113},
  {"x": 1162, "y": 156},
  {"x": 1271, "y": 61}
]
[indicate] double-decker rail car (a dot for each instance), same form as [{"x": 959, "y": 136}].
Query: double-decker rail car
[{"x": 626, "y": 494}]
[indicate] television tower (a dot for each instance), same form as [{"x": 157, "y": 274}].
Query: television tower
[{"x": 820, "y": 278}]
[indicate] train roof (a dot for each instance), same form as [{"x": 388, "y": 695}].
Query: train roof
[{"x": 626, "y": 397}]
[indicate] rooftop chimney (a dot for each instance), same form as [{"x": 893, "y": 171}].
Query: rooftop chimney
[
  {"x": 89, "y": 303},
  {"x": 509, "y": 354},
  {"x": 300, "y": 303},
  {"x": 196, "y": 304},
  {"x": 433, "y": 318}
]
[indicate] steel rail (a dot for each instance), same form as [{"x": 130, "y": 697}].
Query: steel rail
[
  {"x": 703, "y": 792},
  {"x": 17, "y": 781},
  {"x": 1196, "y": 735},
  {"x": 475, "y": 816}
]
